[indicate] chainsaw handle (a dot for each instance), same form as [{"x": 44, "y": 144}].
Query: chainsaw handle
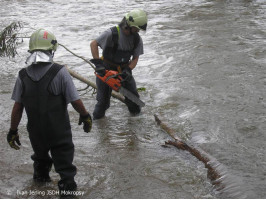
[{"x": 114, "y": 76}]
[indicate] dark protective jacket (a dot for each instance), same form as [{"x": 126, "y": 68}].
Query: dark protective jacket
[
  {"x": 115, "y": 55},
  {"x": 47, "y": 113}
]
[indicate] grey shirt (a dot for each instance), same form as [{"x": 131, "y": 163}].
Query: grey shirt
[
  {"x": 125, "y": 42},
  {"x": 61, "y": 84}
]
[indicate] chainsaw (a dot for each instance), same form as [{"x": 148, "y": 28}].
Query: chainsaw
[{"x": 113, "y": 79}]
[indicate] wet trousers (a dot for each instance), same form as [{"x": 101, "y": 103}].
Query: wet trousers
[{"x": 61, "y": 148}]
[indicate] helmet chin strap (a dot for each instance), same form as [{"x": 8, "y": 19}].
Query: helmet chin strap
[
  {"x": 124, "y": 25},
  {"x": 129, "y": 28}
]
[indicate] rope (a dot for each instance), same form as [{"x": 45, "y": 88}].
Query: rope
[{"x": 87, "y": 61}]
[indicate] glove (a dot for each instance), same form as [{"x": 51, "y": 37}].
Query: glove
[
  {"x": 87, "y": 122},
  {"x": 97, "y": 62},
  {"x": 100, "y": 69},
  {"x": 126, "y": 74},
  {"x": 13, "y": 137}
]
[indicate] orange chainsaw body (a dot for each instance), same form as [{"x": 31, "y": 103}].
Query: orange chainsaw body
[{"x": 111, "y": 78}]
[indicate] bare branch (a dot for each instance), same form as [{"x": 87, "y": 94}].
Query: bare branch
[{"x": 9, "y": 39}]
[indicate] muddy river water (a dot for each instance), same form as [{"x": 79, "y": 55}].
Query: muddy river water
[{"x": 205, "y": 76}]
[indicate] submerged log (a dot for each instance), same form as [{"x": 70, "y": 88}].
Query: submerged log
[
  {"x": 93, "y": 85},
  {"x": 202, "y": 156}
]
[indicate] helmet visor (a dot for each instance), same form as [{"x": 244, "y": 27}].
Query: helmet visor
[{"x": 143, "y": 27}]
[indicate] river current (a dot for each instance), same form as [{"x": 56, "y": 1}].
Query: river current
[{"x": 204, "y": 72}]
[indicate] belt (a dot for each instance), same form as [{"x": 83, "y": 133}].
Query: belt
[{"x": 113, "y": 66}]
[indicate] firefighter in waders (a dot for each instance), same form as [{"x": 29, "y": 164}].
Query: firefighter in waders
[
  {"x": 122, "y": 46},
  {"x": 44, "y": 89}
]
